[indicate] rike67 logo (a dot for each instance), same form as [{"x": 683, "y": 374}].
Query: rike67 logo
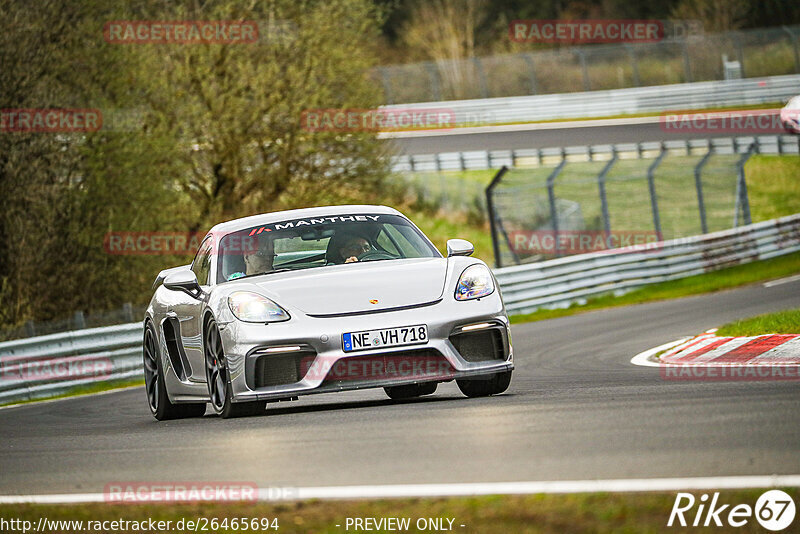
[{"x": 774, "y": 510}]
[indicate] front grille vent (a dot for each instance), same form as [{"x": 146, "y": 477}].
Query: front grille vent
[
  {"x": 481, "y": 346},
  {"x": 404, "y": 365},
  {"x": 281, "y": 369}
]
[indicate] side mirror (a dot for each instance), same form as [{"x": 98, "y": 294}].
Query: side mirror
[
  {"x": 459, "y": 247},
  {"x": 184, "y": 280}
]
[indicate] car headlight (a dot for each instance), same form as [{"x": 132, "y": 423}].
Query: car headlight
[
  {"x": 475, "y": 282},
  {"x": 254, "y": 308}
]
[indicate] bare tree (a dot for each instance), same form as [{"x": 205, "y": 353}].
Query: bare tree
[{"x": 445, "y": 31}]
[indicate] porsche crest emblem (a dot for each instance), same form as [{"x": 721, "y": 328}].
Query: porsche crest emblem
[{"x": 373, "y": 301}]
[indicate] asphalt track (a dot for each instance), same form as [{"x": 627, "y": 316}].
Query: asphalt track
[
  {"x": 576, "y": 409},
  {"x": 567, "y": 135}
]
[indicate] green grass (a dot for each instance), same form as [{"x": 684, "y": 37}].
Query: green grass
[
  {"x": 694, "y": 285},
  {"x": 85, "y": 390},
  {"x": 440, "y": 229},
  {"x": 773, "y": 186},
  {"x": 784, "y": 322},
  {"x": 583, "y": 512}
]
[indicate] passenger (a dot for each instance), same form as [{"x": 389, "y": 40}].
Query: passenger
[{"x": 257, "y": 261}]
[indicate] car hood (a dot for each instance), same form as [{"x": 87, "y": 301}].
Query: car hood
[{"x": 359, "y": 287}]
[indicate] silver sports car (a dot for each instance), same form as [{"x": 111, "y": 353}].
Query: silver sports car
[{"x": 321, "y": 300}]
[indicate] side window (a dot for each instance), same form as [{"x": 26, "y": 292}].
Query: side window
[
  {"x": 385, "y": 243},
  {"x": 202, "y": 262},
  {"x": 397, "y": 236}
]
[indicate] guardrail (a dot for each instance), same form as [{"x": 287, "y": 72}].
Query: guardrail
[
  {"x": 77, "y": 321},
  {"x": 684, "y": 96},
  {"x": 495, "y": 159},
  {"x": 46, "y": 366},
  {"x": 563, "y": 281}
]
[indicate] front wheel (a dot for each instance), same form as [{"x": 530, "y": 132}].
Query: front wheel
[
  {"x": 219, "y": 385},
  {"x": 494, "y": 385},
  {"x": 155, "y": 386},
  {"x": 411, "y": 390}
]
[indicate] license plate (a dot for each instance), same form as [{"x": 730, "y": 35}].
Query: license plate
[{"x": 385, "y": 337}]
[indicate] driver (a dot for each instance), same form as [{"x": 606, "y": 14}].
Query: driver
[
  {"x": 352, "y": 247},
  {"x": 257, "y": 261}
]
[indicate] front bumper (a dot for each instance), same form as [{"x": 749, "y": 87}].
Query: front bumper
[{"x": 317, "y": 342}]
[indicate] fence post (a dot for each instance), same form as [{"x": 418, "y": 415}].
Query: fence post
[
  {"x": 651, "y": 184},
  {"x": 551, "y": 197},
  {"x": 742, "y": 202},
  {"x": 492, "y": 215},
  {"x": 601, "y": 184},
  {"x": 698, "y": 169},
  {"x": 387, "y": 84},
  {"x": 531, "y": 71},
  {"x": 481, "y": 77},
  {"x": 127, "y": 312},
  {"x": 587, "y": 85},
  {"x": 739, "y": 52},
  {"x": 687, "y": 67},
  {"x": 433, "y": 74},
  {"x": 634, "y": 64},
  {"x": 79, "y": 320}
]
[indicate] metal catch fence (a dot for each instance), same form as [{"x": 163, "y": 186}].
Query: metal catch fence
[
  {"x": 599, "y": 198},
  {"x": 695, "y": 58}
]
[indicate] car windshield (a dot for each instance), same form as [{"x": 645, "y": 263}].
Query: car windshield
[{"x": 319, "y": 242}]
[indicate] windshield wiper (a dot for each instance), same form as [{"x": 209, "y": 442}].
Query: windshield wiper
[
  {"x": 265, "y": 272},
  {"x": 377, "y": 259},
  {"x": 281, "y": 270}
]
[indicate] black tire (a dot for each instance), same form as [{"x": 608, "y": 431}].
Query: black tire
[
  {"x": 493, "y": 385},
  {"x": 411, "y": 390},
  {"x": 218, "y": 380},
  {"x": 155, "y": 386}
]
